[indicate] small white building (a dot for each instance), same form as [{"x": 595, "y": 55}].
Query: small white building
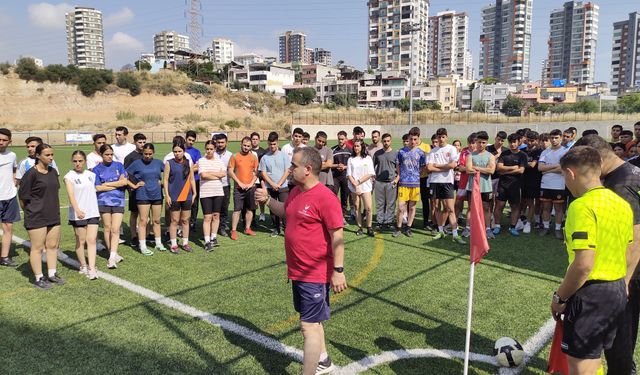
[
  {"x": 248, "y": 59},
  {"x": 222, "y": 51},
  {"x": 263, "y": 77},
  {"x": 492, "y": 95}
]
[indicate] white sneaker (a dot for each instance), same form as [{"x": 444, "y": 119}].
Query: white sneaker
[
  {"x": 519, "y": 225},
  {"x": 118, "y": 258},
  {"x": 92, "y": 274},
  {"x": 112, "y": 264},
  {"x": 527, "y": 228},
  {"x": 83, "y": 270},
  {"x": 262, "y": 218}
]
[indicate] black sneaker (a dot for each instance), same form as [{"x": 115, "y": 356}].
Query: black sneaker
[
  {"x": 275, "y": 233},
  {"x": 325, "y": 367},
  {"x": 396, "y": 232},
  {"x": 407, "y": 232},
  {"x": 370, "y": 232},
  {"x": 359, "y": 232},
  {"x": 208, "y": 247},
  {"x": 134, "y": 242},
  {"x": 379, "y": 227},
  {"x": 55, "y": 279},
  {"x": 42, "y": 284},
  {"x": 214, "y": 242},
  {"x": 222, "y": 232},
  {"x": 8, "y": 262}
]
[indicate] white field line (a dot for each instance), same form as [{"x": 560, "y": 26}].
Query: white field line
[
  {"x": 224, "y": 324},
  {"x": 531, "y": 347}
]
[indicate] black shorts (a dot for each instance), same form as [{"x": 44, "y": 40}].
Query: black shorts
[
  {"x": 133, "y": 202},
  {"x": 84, "y": 223},
  {"x": 442, "y": 190},
  {"x": 530, "y": 191},
  {"x": 10, "y": 210},
  {"x": 311, "y": 300},
  {"x": 485, "y": 197},
  {"x": 211, "y": 205},
  {"x": 591, "y": 318},
  {"x": 509, "y": 193},
  {"x": 244, "y": 199},
  {"x": 111, "y": 209},
  {"x": 155, "y": 202},
  {"x": 547, "y": 195},
  {"x": 180, "y": 206}
]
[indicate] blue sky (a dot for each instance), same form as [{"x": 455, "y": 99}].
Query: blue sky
[{"x": 37, "y": 28}]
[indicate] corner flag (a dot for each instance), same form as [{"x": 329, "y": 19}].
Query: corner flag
[{"x": 479, "y": 245}]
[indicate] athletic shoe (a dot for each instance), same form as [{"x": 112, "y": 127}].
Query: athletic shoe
[
  {"x": 112, "y": 264},
  {"x": 438, "y": 236},
  {"x": 378, "y": 227},
  {"x": 134, "y": 242},
  {"x": 325, "y": 367},
  {"x": 408, "y": 233},
  {"x": 359, "y": 232},
  {"x": 275, "y": 233},
  {"x": 55, "y": 279},
  {"x": 519, "y": 225},
  {"x": 370, "y": 232},
  {"x": 396, "y": 232},
  {"x": 83, "y": 270},
  {"x": 466, "y": 232},
  {"x": 42, "y": 284},
  {"x": 352, "y": 217},
  {"x": 93, "y": 274},
  {"x": 8, "y": 262},
  {"x": 490, "y": 234},
  {"x": 121, "y": 241},
  {"x": 559, "y": 234},
  {"x": 214, "y": 242},
  {"x": 262, "y": 218},
  {"x": 160, "y": 247},
  {"x": 119, "y": 258},
  {"x": 208, "y": 247},
  {"x": 543, "y": 232},
  {"x": 249, "y": 232},
  {"x": 459, "y": 240},
  {"x": 223, "y": 232},
  {"x": 496, "y": 230},
  {"x": 447, "y": 230},
  {"x": 527, "y": 228},
  {"x": 187, "y": 248},
  {"x": 174, "y": 250},
  {"x": 146, "y": 251},
  {"x": 514, "y": 232},
  {"x": 234, "y": 235}
]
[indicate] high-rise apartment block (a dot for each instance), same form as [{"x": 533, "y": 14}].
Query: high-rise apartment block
[
  {"x": 308, "y": 56},
  {"x": 222, "y": 51},
  {"x": 448, "y": 44},
  {"x": 292, "y": 47},
  {"x": 321, "y": 56},
  {"x": 166, "y": 43},
  {"x": 85, "y": 40},
  {"x": 506, "y": 40},
  {"x": 394, "y": 26},
  {"x": 625, "y": 57},
  {"x": 572, "y": 42}
]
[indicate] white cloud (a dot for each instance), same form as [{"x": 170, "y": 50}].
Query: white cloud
[
  {"x": 124, "y": 42},
  {"x": 48, "y": 16},
  {"x": 122, "y": 17}
]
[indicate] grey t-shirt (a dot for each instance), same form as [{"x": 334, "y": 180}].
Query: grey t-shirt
[
  {"x": 385, "y": 165},
  {"x": 326, "y": 177}
]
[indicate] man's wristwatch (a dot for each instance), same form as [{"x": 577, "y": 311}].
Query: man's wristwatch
[
  {"x": 338, "y": 269},
  {"x": 558, "y": 300}
]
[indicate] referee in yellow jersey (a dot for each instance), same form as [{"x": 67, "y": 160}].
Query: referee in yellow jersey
[{"x": 598, "y": 229}]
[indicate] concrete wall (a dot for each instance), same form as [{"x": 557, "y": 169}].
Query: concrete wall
[{"x": 461, "y": 131}]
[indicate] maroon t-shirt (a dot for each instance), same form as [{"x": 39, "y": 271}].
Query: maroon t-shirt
[{"x": 310, "y": 216}]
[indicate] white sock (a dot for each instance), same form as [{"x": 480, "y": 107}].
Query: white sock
[
  {"x": 143, "y": 244},
  {"x": 158, "y": 241},
  {"x": 536, "y": 218},
  {"x": 455, "y": 232},
  {"x": 497, "y": 226},
  {"x": 213, "y": 237},
  {"x": 558, "y": 226},
  {"x": 323, "y": 356},
  {"x": 185, "y": 241},
  {"x": 174, "y": 242},
  {"x": 546, "y": 224},
  {"x": 52, "y": 272},
  {"x": 441, "y": 229},
  {"x": 39, "y": 276}
]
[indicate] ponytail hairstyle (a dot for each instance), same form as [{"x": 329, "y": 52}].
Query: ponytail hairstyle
[
  {"x": 186, "y": 168},
  {"x": 39, "y": 148},
  {"x": 79, "y": 152},
  {"x": 104, "y": 148},
  {"x": 149, "y": 146}
]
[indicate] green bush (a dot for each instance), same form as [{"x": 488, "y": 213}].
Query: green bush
[
  {"x": 233, "y": 124},
  {"x": 142, "y": 65},
  {"x": 4, "y": 68},
  {"x": 513, "y": 105},
  {"x": 302, "y": 96},
  {"x": 125, "y": 115},
  {"x": 629, "y": 103},
  {"x": 194, "y": 88},
  {"x": 91, "y": 81},
  {"x": 130, "y": 82},
  {"x": 586, "y": 106},
  {"x": 418, "y": 105},
  {"x": 26, "y": 69},
  {"x": 343, "y": 100}
]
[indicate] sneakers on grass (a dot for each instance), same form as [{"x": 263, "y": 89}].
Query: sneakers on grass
[
  {"x": 459, "y": 240},
  {"x": 160, "y": 247},
  {"x": 8, "y": 262},
  {"x": 55, "y": 279},
  {"x": 527, "y": 228},
  {"x": 146, "y": 251},
  {"x": 42, "y": 284},
  {"x": 325, "y": 367}
]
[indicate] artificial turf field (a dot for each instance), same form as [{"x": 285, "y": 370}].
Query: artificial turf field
[{"x": 405, "y": 293}]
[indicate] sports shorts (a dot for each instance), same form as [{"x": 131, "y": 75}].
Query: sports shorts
[
  {"x": 311, "y": 300},
  {"x": 111, "y": 209},
  {"x": 442, "y": 190},
  {"x": 155, "y": 202},
  {"x": 180, "y": 206},
  {"x": 10, "y": 210},
  {"x": 591, "y": 318},
  {"x": 211, "y": 205},
  {"x": 509, "y": 193},
  {"x": 244, "y": 199},
  {"x": 547, "y": 195},
  {"x": 485, "y": 197},
  {"x": 406, "y": 194},
  {"x": 84, "y": 223}
]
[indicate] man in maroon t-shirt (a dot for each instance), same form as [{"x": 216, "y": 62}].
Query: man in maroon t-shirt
[{"x": 314, "y": 245}]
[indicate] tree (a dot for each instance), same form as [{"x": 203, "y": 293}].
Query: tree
[
  {"x": 302, "y": 96},
  {"x": 130, "y": 82},
  {"x": 344, "y": 100},
  {"x": 586, "y": 106},
  {"x": 479, "y": 106},
  {"x": 488, "y": 81},
  {"x": 26, "y": 68},
  {"x": 629, "y": 103},
  {"x": 90, "y": 81},
  {"x": 541, "y": 107},
  {"x": 142, "y": 65},
  {"x": 418, "y": 105},
  {"x": 513, "y": 106}
]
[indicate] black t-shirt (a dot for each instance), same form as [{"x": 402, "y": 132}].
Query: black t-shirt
[
  {"x": 532, "y": 176},
  {"x": 340, "y": 156},
  {"x": 509, "y": 159},
  {"x": 128, "y": 160},
  {"x": 625, "y": 181},
  {"x": 494, "y": 151},
  {"x": 635, "y": 161},
  {"x": 259, "y": 152},
  {"x": 39, "y": 192}
]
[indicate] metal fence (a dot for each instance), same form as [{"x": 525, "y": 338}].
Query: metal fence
[{"x": 441, "y": 118}]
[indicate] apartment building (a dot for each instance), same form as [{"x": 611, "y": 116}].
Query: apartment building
[
  {"x": 448, "y": 45},
  {"x": 625, "y": 55},
  {"x": 85, "y": 38},
  {"x": 314, "y": 73},
  {"x": 573, "y": 37},
  {"x": 166, "y": 43},
  {"x": 249, "y": 58},
  {"x": 394, "y": 26},
  {"x": 222, "y": 51},
  {"x": 506, "y": 40},
  {"x": 382, "y": 90},
  {"x": 321, "y": 56},
  {"x": 292, "y": 47},
  {"x": 492, "y": 95}
]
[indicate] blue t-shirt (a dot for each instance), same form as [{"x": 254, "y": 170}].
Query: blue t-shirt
[
  {"x": 274, "y": 165},
  {"x": 111, "y": 173},
  {"x": 179, "y": 185},
  {"x": 195, "y": 156},
  {"x": 151, "y": 174},
  {"x": 410, "y": 162}
]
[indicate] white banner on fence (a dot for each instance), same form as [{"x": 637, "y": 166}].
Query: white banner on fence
[{"x": 78, "y": 137}]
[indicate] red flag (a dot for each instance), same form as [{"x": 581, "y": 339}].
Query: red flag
[
  {"x": 479, "y": 244},
  {"x": 557, "y": 359}
]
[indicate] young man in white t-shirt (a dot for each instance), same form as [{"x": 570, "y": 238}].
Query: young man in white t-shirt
[
  {"x": 28, "y": 162},
  {"x": 552, "y": 187},
  {"x": 9, "y": 208},
  {"x": 122, "y": 148},
  {"x": 94, "y": 158},
  {"x": 441, "y": 162},
  {"x": 296, "y": 141}
]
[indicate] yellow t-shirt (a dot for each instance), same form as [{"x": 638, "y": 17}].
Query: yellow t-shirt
[
  {"x": 426, "y": 149},
  {"x": 601, "y": 221}
]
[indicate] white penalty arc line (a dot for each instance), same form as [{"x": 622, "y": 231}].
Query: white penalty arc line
[{"x": 224, "y": 324}]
